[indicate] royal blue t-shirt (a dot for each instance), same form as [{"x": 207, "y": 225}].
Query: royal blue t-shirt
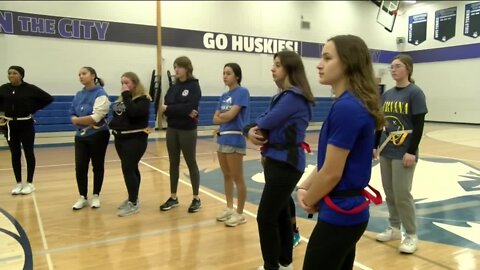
[
  {"x": 241, "y": 97},
  {"x": 350, "y": 126}
]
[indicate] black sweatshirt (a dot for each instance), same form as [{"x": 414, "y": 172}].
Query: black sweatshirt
[
  {"x": 22, "y": 100},
  {"x": 181, "y": 98},
  {"x": 130, "y": 114}
]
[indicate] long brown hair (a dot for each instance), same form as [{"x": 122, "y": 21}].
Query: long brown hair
[
  {"x": 296, "y": 76},
  {"x": 358, "y": 68},
  {"x": 408, "y": 62},
  {"x": 185, "y": 62},
  {"x": 139, "y": 89}
]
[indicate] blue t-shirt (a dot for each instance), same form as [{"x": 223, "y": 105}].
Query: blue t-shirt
[
  {"x": 241, "y": 97},
  {"x": 350, "y": 126}
]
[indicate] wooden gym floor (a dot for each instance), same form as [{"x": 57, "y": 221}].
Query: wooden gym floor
[{"x": 42, "y": 230}]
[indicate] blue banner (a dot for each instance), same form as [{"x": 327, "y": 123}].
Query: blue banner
[
  {"x": 417, "y": 28},
  {"x": 445, "y": 22},
  {"x": 471, "y": 27},
  {"x": 18, "y": 23}
]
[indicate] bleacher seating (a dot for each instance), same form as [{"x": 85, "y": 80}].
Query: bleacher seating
[{"x": 55, "y": 117}]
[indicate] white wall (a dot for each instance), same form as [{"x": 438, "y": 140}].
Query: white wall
[
  {"x": 451, "y": 87},
  {"x": 276, "y": 19},
  {"x": 53, "y": 63}
]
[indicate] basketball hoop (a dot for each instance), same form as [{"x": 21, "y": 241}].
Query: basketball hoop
[{"x": 387, "y": 13}]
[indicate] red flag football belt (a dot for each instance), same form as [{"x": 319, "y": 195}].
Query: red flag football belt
[
  {"x": 303, "y": 145},
  {"x": 377, "y": 199}
]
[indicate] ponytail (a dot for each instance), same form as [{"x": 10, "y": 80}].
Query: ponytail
[{"x": 97, "y": 80}]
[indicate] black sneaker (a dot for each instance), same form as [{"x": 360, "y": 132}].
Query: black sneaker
[
  {"x": 194, "y": 206},
  {"x": 169, "y": 204}
]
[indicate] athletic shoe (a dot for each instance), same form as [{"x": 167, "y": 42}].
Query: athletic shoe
[
  {"x": 296, "y": 239},
  {"x": 390, "y": 233},
  {"x": 235, "y": 220},
  {"x": 17, "y": 189},
  {"x": 194, "y": 206},
  {"x": 225, "y": 214},
  {"x": 124, "y": 204},
  {"x": 280, "y": 267},
  {"x": 128, "y": 210},
  {"x": 169, "y": 204},
  {"x": 81, "y": 203},
  {"x": 409, "y": 244},
  {"x": 95, "y": 201},
  {"x": 27, "y": 189},
  {"x": 288, "y": 267}
]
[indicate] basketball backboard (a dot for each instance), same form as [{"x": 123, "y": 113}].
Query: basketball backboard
[{"x": 387, "y": 13}]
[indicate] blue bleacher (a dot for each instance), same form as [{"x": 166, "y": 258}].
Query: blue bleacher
[{"x": 55, "y": 117}]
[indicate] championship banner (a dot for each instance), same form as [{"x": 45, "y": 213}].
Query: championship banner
[
  {"x": 471, "y": 27},
  {"x": 445, "y": 22},
  {"x": 417, "y": 28}
]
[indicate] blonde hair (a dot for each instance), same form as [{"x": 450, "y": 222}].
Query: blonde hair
[{"x": 139, "y": 89}]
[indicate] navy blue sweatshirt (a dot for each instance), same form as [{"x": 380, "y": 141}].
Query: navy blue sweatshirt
[
  {"x": 181, "y": 98},
  {"x": 22, "y": 100}
]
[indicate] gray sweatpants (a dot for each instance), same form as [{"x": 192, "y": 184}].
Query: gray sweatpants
[
  {"x": 186, "y": 141},
  {"x": 397, "y": 184}
]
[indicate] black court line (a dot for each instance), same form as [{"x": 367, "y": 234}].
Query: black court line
[{"x": 22, "y": 239}]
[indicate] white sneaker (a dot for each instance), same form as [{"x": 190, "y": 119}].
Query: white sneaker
[
  {"x": 81, "y": 203},
  {"x": 235, "y": 220},
  {"x": 409, "y": 244},
  {"x": 288, "y": 267},
  {"x": 225, "y": 214},
  {"x": 390, "y": 233},
  {"x": 17, "y": 189},
  {"x": 27, "y": 189},
  {"x": 95, "y": 201}
]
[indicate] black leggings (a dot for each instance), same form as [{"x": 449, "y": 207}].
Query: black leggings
[
  {"x": 332, "y": 247},
  {"x": 93, "y": 148},
  {"x": 130, "y": 149},
  {"x": 291, "y": 206},
  {"x": 273, "y": 217},
  {"x": 22, "y": 133}
]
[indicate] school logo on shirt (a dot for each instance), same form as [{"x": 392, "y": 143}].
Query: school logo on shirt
[
  {"x": 226, "y": 105},
  {"x": 185, "y": 92},
  {"x": 119, "y": 108}
]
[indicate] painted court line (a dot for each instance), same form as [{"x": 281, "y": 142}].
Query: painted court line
[
  {"x": 42, "y": 232},
  {"x": 357, "y": 264}
]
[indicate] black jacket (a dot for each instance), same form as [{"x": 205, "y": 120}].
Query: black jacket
[
  {"x": 181, "y": 98},
  {"x": 22, "y": 100},
  {"x": 130, "y": 114}
]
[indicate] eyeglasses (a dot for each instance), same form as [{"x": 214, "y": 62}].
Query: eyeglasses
[{"x": 397, "y": 66}]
